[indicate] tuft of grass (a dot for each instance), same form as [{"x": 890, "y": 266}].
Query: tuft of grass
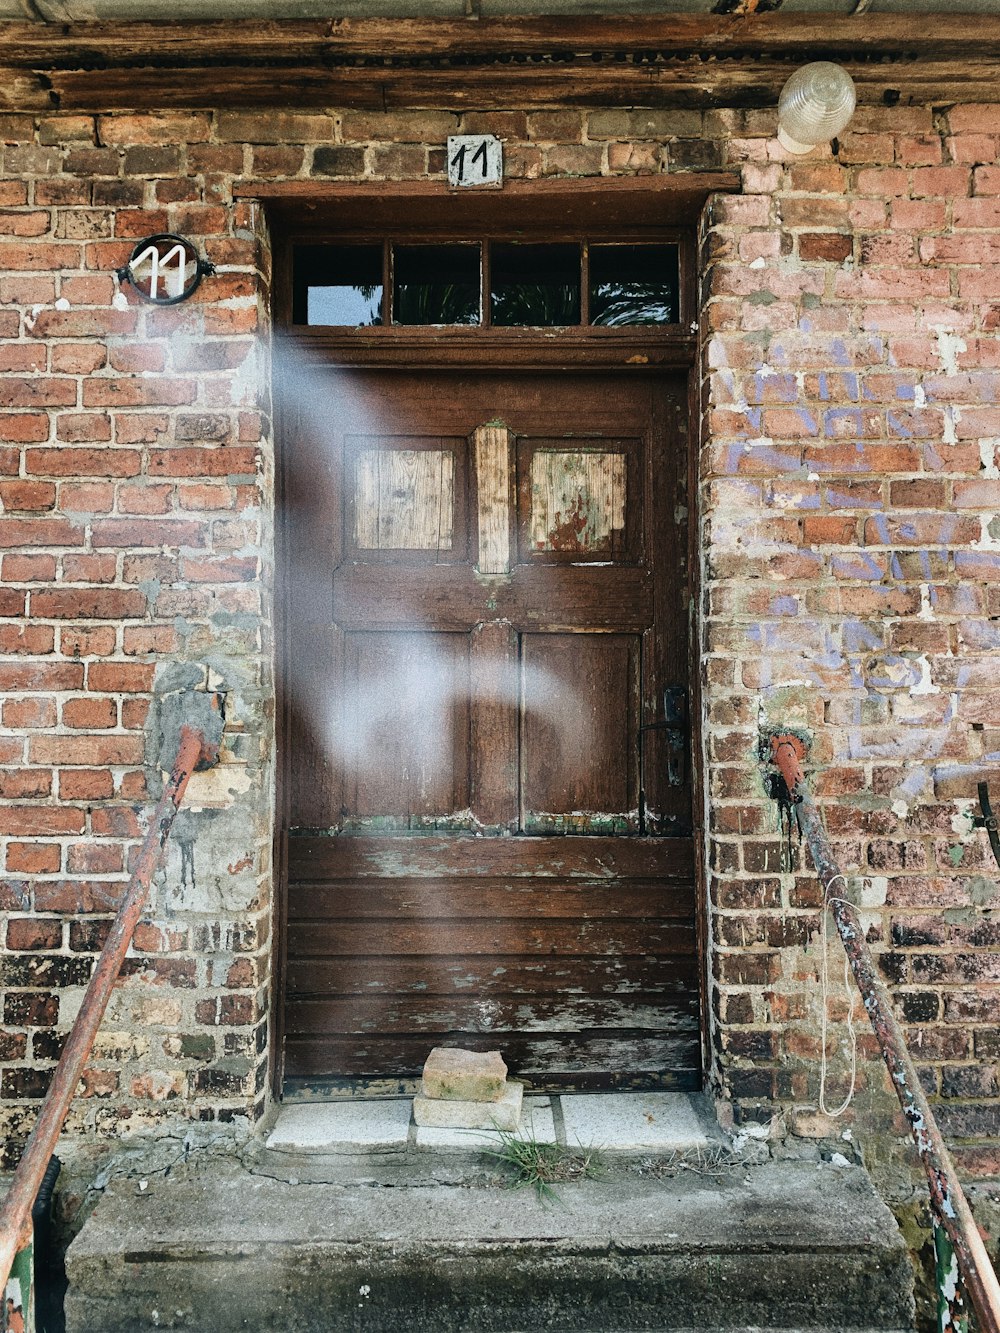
[
  {"x": 539, "y": 1166},
  {"x": 716, "y": 1160}
]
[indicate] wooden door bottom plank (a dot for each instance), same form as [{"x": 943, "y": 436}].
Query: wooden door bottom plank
[
  {"x": 495, "y": 975},
  {"x": 356, "y": 1015},
  {"x": 549, "y": 1060},
  {"x": 313, "y": 858},
  {"x": 531, "y": 938},
  {"x": 464, "y": 899}
]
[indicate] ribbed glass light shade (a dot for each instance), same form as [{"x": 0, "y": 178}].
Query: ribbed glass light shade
[{"x": 815, "y": 105}]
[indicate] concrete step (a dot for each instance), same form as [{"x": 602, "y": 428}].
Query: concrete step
[{"x": 220, "y": 1247}]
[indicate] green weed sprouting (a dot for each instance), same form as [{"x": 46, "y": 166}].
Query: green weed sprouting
[{"x": 540, "y": 1165}]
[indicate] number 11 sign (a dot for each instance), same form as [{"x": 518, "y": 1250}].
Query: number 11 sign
[{"x": 475, "y": 159}]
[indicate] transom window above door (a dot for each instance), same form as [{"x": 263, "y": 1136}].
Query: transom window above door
[{"x": 484, "y": 283}]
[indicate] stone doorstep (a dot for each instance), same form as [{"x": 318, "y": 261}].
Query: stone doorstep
[
  {"x": 637, "y": 1122},
  {"x": 216, "y": 1246},
  {"x": 440, "y": 1113}
]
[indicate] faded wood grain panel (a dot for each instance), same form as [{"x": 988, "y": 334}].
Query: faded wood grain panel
[
  {"x": 404, "y": 500},
  {"x": 529, "y": 938},
  {"x": 404, "y": 743},
  {"x": 581, "y": 498},
  {"x": 485, "y": 896},
  {"x": 577, "y": 501},
  {"x": 494, "y": 740},
  {"x": 579, "y": 732},
  {"x": 551, "y": 1060},
  {"x": 592, "y": 858},
  {"x": 494, "y": 446},
  {"x": 672, "y": 978},
  {"x": 390, "y": 1014}
]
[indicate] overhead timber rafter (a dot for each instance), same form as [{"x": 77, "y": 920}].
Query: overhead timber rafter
[{"x": 678, "y": 60}]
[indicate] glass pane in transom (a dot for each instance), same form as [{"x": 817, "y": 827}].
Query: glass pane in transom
[
  {"x": 339, "y": 285},
  {"x": 534, "y": 285},
  {"x": 436, "y": 284},
  {"x": 633, "y": 284}
]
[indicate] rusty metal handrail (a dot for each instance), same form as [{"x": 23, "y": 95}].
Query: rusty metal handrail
[
  {"x": 948, "y": 1199},
  {"x": 15, "y": 1215}
]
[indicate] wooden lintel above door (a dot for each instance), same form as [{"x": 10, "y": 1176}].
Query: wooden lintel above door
[
  {"x": 577, "y": 202},
  {"x": 496, "y": 349}
]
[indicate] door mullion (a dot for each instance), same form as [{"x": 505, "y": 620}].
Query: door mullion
[
  {"x": 493, "y": 669},
  {"x": 493, "y": 446}
]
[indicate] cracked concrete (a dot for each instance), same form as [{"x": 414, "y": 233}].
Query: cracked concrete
[{"x": 390, "y": 1241}]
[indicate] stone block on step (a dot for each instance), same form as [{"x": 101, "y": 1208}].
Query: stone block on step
[
  {"x": 439, "y": 1113},
  {"x": 456, "y": 1075}
]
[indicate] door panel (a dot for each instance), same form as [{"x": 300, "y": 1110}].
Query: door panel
[
  {"x": 576, "y": 501},
  {"x": 404, "y": 746},
  {"x": 408, "y": 498},
  {"x": 487, "y": 599},
  {"x": 580, "y": 703}
]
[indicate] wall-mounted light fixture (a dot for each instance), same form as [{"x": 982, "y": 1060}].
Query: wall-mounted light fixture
[
  {"x": 165, "y": 269},
  {"x": 815, "y": 105}
]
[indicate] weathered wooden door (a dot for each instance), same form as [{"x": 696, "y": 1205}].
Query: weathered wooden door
[{"x": 488, "y": 801}]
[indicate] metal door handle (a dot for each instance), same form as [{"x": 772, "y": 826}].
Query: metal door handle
[
  {"x": 675, "y": 716},
  {"x": 675, "y": 732}
]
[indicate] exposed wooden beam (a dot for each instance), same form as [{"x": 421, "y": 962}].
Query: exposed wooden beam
[
  {"x": 110, "y": 44},
  {"x": 23, "y": 90},
  {"x": 680, "y": 60},
  {"x": 690, "y": 84}
]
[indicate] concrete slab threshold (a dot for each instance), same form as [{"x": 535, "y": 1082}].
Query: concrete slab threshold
[
  {"x": 612, "y": 1122},
  {"x": 306, "y": 1240}
]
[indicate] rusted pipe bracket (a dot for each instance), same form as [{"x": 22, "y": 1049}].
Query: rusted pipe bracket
[
  {"x": 203, "y": 711},
  {"x": 987, "y": 819},
  {"x": 781, "y": 787},
  {"x": 787, "y": 752},
  {"x": 210, "y": 722}
]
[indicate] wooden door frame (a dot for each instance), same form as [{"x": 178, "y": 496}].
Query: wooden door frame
[{"x": 298, "y": 213}]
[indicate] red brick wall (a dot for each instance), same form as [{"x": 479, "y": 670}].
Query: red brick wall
[
  {"x": 136, "y": 487},
  {"x": 852, "y": 591},
  {"x": 851, "y": 558}
]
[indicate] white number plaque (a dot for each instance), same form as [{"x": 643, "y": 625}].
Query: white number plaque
[{"x": 475, "y": 159}]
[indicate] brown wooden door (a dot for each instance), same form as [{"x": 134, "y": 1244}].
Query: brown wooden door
[{"x": 490, "y": 844}]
